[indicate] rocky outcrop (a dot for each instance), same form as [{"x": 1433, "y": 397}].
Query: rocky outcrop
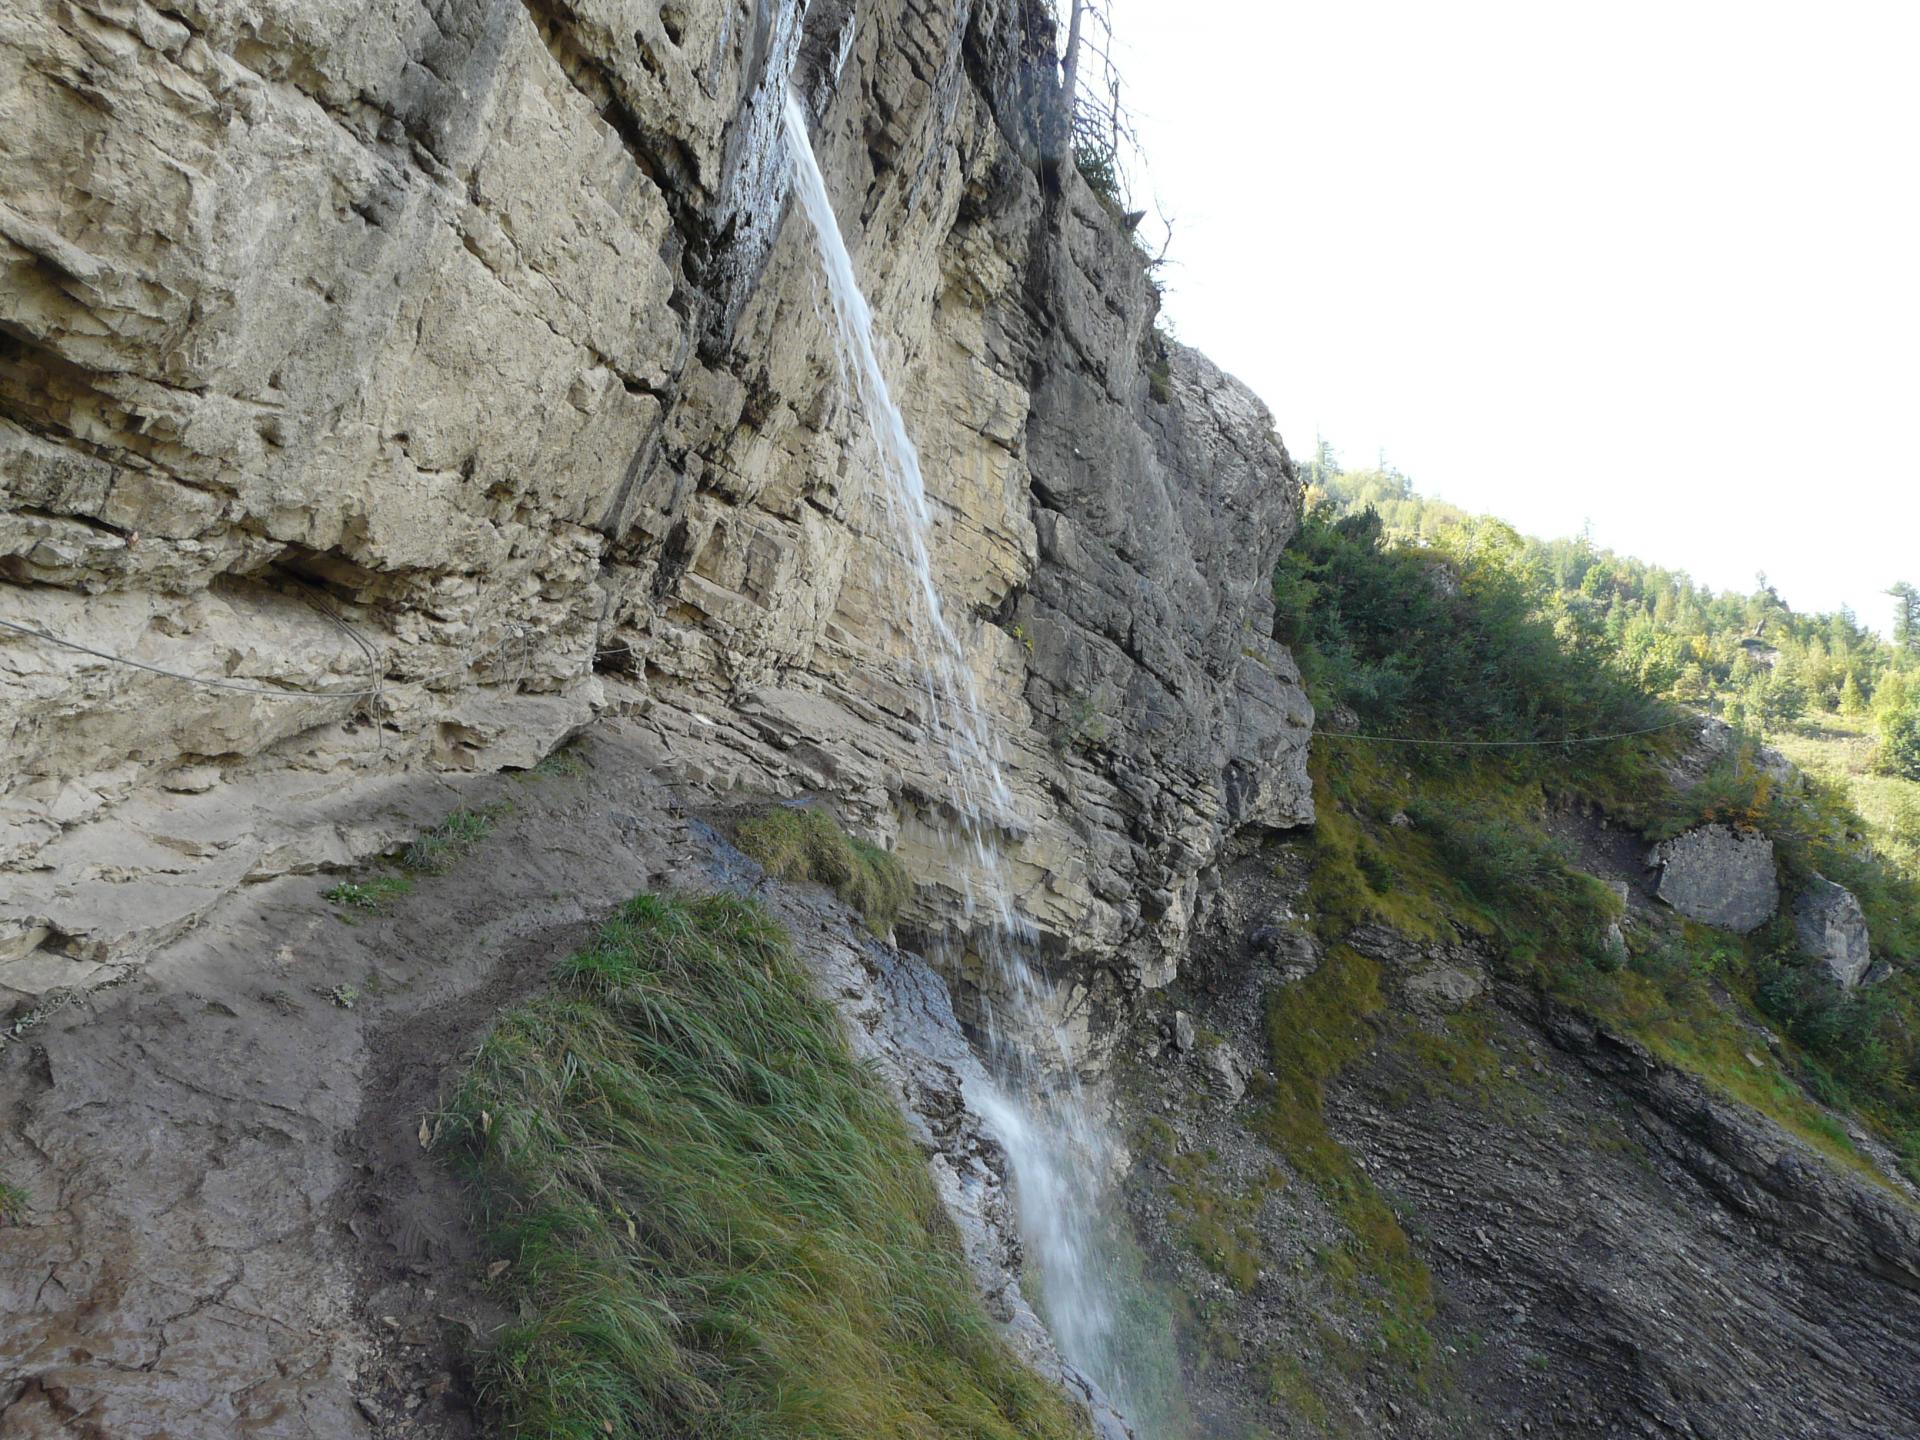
[
  {"x": 1611, "y": 1247},
  {"x": 1833, "y": 929},
  {"x": 1719, "y": 876},
  {"x": 421, "y": 388}
]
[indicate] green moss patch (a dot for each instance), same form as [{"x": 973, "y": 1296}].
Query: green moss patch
[
  {"x": 1315, "y": 1029},
  {"x": 715, "y": 1224}
]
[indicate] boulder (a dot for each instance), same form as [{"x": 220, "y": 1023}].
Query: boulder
[
  {"x": 1833, "y": 929},
  {"x": 1719, "y": 876},
  {"x": 1445, "y": 988}
]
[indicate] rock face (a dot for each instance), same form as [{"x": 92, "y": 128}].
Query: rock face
[
  {"x": 1719, "y": 876},
  {"x": 1613, "y": 1248},
  {"x": 222, "y": 1159},
  {"x": 427, "y": 384},
  {"x": 1833, "y": 929}
]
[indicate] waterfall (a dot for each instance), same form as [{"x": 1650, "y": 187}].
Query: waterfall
[{"x": 1057, "y": 1149}]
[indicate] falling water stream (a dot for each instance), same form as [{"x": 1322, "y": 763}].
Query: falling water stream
[{"x": 1036, "y": 1109}]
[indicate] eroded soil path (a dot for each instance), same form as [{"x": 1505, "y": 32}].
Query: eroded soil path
[{"x": 234, "y": 1227}]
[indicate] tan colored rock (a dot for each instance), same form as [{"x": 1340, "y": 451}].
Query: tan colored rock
[{"x": 426, "y": 389}]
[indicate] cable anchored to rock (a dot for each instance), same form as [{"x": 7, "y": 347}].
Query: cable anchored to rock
[
  {"x": 239, "y": 686},
  {"x": 1504, "y": 744}
]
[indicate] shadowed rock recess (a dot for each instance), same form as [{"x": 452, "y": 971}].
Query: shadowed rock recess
[{"x": 394, "y": 393}]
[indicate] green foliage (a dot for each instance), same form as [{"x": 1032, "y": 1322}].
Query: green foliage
[
  {"x": 431, "y": 853},
  {"x": 1160, "y": 380},
  {"x": 1853, "y": 700},
  {"x": 1900, "y": 741},
  {"x": 1906, "y": 617},
  {"x": 1446, "y": 641},
  {"x": 1814, "y": 830},
  {"x": 1217, "y": 1220},
  {"x": 1530, "y": 896},
  {"x": 371, "y": 896},
  {"x": 715, "y": 1222},
  {"x": 565, "y": 763},
  {"x": 434, "y": 852},
  {"x": 1436, "y": 637},
  {"x": 1099, "y": 166},
  {"x": 797, "y": 844},
  {"x": 13, "y": 1203},
  {"x": 1750, "y": 654},
  {"x": 1315, "y": 1028}
]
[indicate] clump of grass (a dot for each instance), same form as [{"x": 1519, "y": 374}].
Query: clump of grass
[
  {"x": 371, "y": 896},
  {"x": 805, "y": 844},
  {"x": 565, "y": 763},
  {"x": 716, "y": 1223},
  {"x": 1218, "y": 1221},
  {"x": 434, "y": 852},
  {"x": 13, "y": 1203}
]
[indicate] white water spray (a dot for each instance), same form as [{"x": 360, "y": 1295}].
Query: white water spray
[{"x": 1057, "y": 1150}]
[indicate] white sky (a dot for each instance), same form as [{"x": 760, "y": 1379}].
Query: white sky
[{"x": 1653, "y": 265}]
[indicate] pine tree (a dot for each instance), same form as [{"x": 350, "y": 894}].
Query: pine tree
[
  {"x": 1906, "y": 617},
  {"x": 1852, "y": 702}
]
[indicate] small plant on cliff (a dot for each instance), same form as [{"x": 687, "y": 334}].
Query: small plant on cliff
[
  {"x": 13, "y": 1203},
  {"x": 805, "y": 844},
  {"x": 715, "y": 1222},
  {"x": 453, "y": 837},
  {"x": 368, "y": 896}
]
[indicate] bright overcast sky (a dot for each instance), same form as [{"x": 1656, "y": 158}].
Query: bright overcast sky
[{"x": 1652, "y": 265}]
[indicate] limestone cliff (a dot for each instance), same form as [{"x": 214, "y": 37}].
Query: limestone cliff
[{"x": 427, "y": 381}]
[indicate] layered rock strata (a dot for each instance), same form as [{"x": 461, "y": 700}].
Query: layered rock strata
[{"x": 427, "y": 384}]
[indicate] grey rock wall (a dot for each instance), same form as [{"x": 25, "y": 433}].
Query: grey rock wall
[{"x": 439, "y": 380}]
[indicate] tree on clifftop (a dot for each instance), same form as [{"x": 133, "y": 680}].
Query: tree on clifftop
[{"x": 1906, "y": 617}]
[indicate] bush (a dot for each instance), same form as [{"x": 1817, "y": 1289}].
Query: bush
[
  {"x": 1443, "y": 641},
  {"x": 1899, "y": 752}
]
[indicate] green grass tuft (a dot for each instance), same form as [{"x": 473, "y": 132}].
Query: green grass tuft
[
  {"x": 716, "y": 1224},
  {"x": 565, "y": 763},
  {"x": 795, "y": 844},
  {"x": 13, "y": 1203},
  {"x": 434, "y": 852},
  {"x": 371, "y": 896}
]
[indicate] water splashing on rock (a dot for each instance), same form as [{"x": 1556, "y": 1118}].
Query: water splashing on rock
[{"x": 1058, "y": 1150}]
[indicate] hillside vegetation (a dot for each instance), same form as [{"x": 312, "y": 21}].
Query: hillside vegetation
[
  {"x": 1750, "y": 658},
  {"x": 1413, "y": 622}
]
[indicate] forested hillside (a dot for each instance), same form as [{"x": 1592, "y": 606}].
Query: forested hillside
[
  {"x": 1505, "y": 664},
  {"x": 1839, "y": 698}
]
